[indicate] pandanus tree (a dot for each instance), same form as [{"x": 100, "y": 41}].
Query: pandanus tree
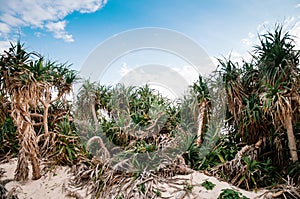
[
  {"x": 86, "y": 102},
  {"x": 263, "y": 110},
  {"x": 19, "y": 83},
  {"x": 92, "y": 98},
  {"x": 244, "y": 109},
  {"x": 278, "y": 63},
  {"x": 30, "y": 83},
  {"x": 201, "y": 108},
  {"x": 55, "y": 82},
  {"x": 234, "y": 88},
  {"x": 263, "y": 95}
]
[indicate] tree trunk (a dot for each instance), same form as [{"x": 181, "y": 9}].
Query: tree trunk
[
  {"x": 93, "y": 109},
  {"x": 36, "y": 172},
  {"x": 291, "y": 137},
  {"x": 22, "y": 170},
  {"x": 45, "y": 124},
  {"x": 46, "y": 103},
  {"x": 27, "y": 140},
  {"x": 45, "y": 120},
  {"x": 200, "y": 119}
]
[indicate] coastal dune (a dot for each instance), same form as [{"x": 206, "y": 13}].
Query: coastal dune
[{"x": 54, "y": 185}]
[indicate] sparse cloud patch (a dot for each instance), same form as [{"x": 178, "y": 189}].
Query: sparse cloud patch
[
  {"x": 4, "y": 45},
  {"x": 290, "y": 24},
  {"x": 58, "y": 28},
  {"x": 47, "y": 15},
  {"x": 293, "y": 25}
]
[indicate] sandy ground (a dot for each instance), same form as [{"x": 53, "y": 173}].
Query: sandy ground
[
  {"x": 51, "y": 186},
  {"x": 194, "y": 181}
]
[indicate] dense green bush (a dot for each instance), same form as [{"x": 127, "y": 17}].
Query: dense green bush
[{"x": 8, "y": 138}]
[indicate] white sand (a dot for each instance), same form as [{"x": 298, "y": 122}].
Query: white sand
[
  {"x": 198, "y": 191},
  {"x": 48, "y": 187},
  {"x": 51, "y": 186}
]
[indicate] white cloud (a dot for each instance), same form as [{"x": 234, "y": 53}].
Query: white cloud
[
  {"x": 11, "y": 20},
  {"x": 252, "y": 38},
  {"x": 38, "y": 34},
  {"x": 238, "y": 57},
  {"x": 124, "y": 69},
  {"x": 298, "y": 5},
  {"x": 261, "y": 28},
  {"x": 58, "y": 28},
  {"x": 188, "y": 72},
  {"x": 290, "y": 24},
  {"x": 249, "y": 41},
  {"x": 46, "y": 14},
  {"x": 295, "y": 31},
  {"x": 4, "y": 45},
  {"x": 4, "y": 28},
  {"x": 215, "y": 61}
]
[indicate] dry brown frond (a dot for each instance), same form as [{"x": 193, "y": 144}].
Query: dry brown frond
[
  {"x": 235, "y": 168},
  {"x": 287, "y": 190},
  {"x": 22, "y": 169},
  {"x": 103, "y": 152},
  {"x": 103, "y": 181},
  {"x": 20, "y": 105}
]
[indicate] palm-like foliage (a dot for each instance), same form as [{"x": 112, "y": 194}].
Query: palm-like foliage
[
  {"x": 263, "y": 97},
  {"x": 28, "y": 84},
  {"x": 234, "y": 88},
  {"x": 86, "y": 102},
  {"x": 271, "y": 82},
  {"x": 52, "y": 78},
  {"x": 201, "y": 94},
  {"x": 278, "y": 62},
  {"x": 19, "y": 83},
  {"x": 263, "y": 100}
]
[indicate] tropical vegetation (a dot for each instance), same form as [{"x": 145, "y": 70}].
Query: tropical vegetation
[{"x": 123, "y": 141}]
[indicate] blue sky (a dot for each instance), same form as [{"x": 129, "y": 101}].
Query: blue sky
[{"x": 69, "y": 30}]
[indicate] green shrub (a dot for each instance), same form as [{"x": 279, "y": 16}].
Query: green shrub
[
  {"x": 8, "y": 138},
  {"x": 208, "y": 185},
  {"x": 231, "y": 194}
]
